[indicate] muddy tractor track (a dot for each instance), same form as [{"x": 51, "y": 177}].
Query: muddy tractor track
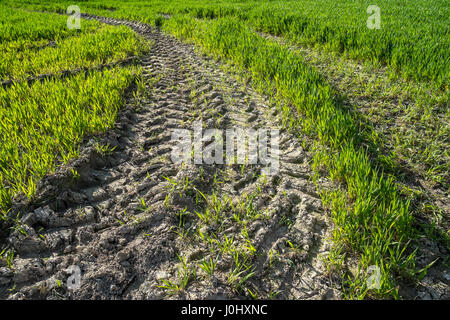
[{"x": 119, "y": 221}]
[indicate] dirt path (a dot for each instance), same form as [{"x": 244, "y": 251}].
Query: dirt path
[{"x": 120, "y": 220}]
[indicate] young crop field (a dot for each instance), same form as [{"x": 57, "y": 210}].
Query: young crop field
[{"x": 225, "y": 149}]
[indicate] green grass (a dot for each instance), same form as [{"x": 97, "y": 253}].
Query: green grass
[
  {"x": 106, "y": 45},
  {"x": 408, "y": 118},
  {"x": 22, "y": 27},
  {"x": 373, "y": 221},
  {"x": 43, "y": 122},
  {"x": 413, "y": 39},
  {"x": 185, "y": 274}
]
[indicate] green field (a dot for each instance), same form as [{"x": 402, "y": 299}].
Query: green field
[
  {"x": 373, "y": 102},
  {"x": 43, "y": 123}
]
